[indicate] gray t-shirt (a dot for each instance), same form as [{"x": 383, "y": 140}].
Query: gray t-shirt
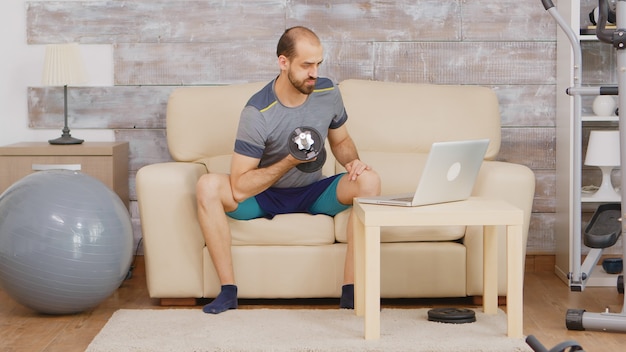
[{"x": 266, "y": 125}]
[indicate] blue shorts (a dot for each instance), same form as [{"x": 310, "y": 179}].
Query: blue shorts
[{"x": 317, "y": 198}]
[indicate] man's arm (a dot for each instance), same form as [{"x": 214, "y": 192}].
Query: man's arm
[
  {"x": 345, "y": 152},
  {"x": 248, "y": 180}
]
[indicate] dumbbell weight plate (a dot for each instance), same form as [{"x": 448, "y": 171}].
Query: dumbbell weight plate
[
  {"x": 309, "y": 148},
  {"x": 315, "y": 165},
  {"x": 312, "y": 150},
  {"x": 452, "y": 315}
]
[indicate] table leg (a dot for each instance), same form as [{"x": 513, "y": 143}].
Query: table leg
[
  {"x": 358, "y": 238},
  {"x": 490, "y": 270},
  {"x": 372, "y": 282},
  {"x": 515, "y": 281}
]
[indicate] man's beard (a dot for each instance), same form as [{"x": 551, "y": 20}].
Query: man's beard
[{"x": 301, "y": 85}]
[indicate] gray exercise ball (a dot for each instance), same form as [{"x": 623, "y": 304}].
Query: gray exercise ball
[{"x": 65, "y": 241}]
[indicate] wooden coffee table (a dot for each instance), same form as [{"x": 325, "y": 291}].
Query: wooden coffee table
[{"x": 489, "y": 213}]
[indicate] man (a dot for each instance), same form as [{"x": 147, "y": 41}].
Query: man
[{"x": 264, "y": 173}]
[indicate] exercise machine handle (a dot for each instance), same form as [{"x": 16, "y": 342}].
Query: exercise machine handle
[
  {"x": 547, "y": 4},
  {"x": 569, "y": 345},
  {"x": 602, "y": 33},
  {"x": 531, "y": 340}
]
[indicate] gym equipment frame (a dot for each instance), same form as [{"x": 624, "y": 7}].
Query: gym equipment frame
[
  {"x": 578, "y": 319},
  {"x": 569, "y": 345}
]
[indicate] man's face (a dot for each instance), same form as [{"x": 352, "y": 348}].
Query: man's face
[{"x": 303, "y": 68}]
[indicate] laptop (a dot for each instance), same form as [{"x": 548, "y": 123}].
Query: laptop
[{"x": 449, "y": 175}]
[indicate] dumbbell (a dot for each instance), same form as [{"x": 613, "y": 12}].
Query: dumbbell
[{"x": 305, "y": 143}]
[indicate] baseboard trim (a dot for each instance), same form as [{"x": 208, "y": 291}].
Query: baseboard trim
[
  {"x": 178, "y": 301},
  {"x": 478, "y": 300}
]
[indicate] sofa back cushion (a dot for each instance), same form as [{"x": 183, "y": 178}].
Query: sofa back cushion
[
  {"x": 408, "y": 117},
  {"x": 394, "y": 126},
  {"x": 202, "y": 124},
  {"x": 202, "y": 121}
]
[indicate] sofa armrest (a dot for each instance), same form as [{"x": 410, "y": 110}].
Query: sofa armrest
[
  {"x": 173, "y": 243},
  {"x": 510, "y": 182}
]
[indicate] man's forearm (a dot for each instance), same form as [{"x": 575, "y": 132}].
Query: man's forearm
[
  {"x": 258, "y": 180},
  {"x": 345, "y": 151}
]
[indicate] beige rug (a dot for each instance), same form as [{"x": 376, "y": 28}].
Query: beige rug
[{"x": 297, "y": 330}]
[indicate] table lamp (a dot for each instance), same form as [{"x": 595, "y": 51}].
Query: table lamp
[
  {"x": 63, "y": 66},
  {"x": 603, "y": 151}
]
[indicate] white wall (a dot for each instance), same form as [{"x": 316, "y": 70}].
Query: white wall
[{"x": 21, "y": 66}]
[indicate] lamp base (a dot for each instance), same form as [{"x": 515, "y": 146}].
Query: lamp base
[
  {"x": 606, "y": 190},
  {"x": 605, "y": 193},
  {"x": 66, "y": 138}
]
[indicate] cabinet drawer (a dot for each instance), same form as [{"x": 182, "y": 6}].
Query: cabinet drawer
[{"x": 109, "y": 170}]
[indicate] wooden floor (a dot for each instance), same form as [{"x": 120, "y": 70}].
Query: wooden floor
[{"x": 546, "y": 300}]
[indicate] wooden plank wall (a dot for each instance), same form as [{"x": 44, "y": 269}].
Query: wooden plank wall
[{"x": 509, "y": 45}]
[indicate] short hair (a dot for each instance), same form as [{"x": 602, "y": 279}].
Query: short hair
[{"x": 287, "y": 42}]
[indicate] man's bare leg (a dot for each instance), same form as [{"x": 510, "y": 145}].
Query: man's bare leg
[
  {"x": 366, "y": 185},
  {"x": 214, "y": 197}
]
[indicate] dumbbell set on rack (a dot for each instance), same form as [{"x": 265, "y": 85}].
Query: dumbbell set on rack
[{"x": 305, "y": 143}]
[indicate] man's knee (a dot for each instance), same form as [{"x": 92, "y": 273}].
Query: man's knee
[
  {"x": 211, "y": 187},
  {"x": 369, "y": 183},
  {"x": 207, "y": 183}
]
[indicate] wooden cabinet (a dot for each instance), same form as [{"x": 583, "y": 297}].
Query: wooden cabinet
[{"x": 106, "y": 161}]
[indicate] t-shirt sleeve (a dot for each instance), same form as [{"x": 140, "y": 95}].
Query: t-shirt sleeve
[
  {"x": 341, "y": 116},
  {"x": 251, "y": 136}
]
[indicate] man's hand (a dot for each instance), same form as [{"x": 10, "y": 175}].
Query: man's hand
[{"x": 355, "y": 168}]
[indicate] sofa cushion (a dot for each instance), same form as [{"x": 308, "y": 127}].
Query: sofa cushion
[
  {"x": 390, "y": 234},
  {"x": 285, "y": 230}
]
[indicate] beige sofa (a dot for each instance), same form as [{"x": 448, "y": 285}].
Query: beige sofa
[{"x": 302, "y": 256}]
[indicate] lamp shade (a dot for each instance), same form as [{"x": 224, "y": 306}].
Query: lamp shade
[
  {"x": 603, "y": 149},
  {"x": 63, "y": 65}
]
